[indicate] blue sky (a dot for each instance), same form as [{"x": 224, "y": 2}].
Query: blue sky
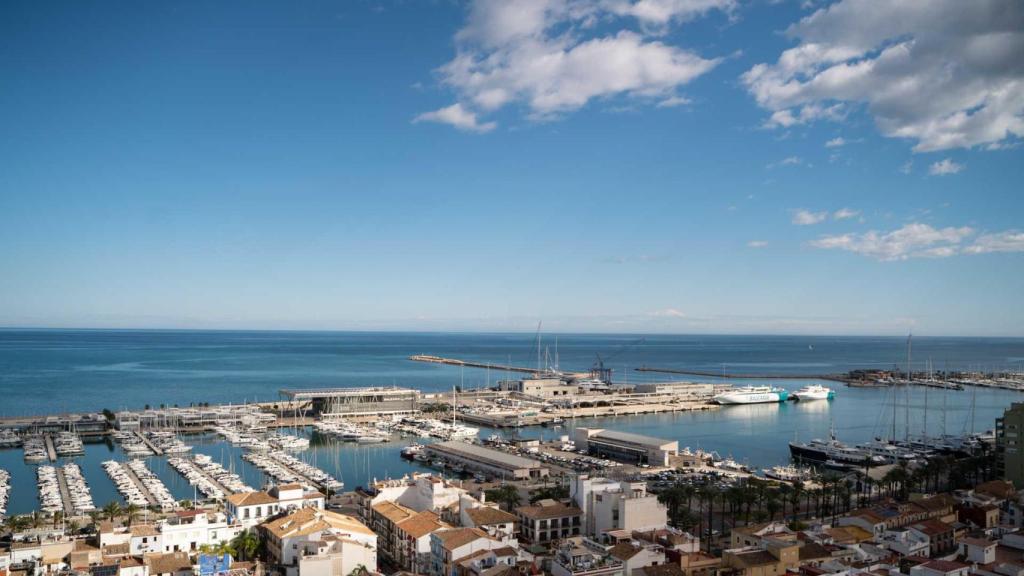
[{"x": 604, "y": 165}]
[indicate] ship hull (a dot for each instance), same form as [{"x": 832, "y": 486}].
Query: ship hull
[{"x": 761, "y": 398}]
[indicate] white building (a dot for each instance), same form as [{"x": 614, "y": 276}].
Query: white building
[
  {"x": 321, "y": 542},
  {"x": 252, "y": 508},
  {"x": 905, "y": 542},
  {"x": 449, "y": 546},
  {"x": 419, "y": 492},
  {"x": 615, "y": 505}
]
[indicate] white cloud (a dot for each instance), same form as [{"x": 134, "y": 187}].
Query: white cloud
[
  {"x": 458, "y": 117},
  {"x": 669, "y": 313},
  {"x": 911, "y": 241},
  {"x": 945, "y": 167},
  {"x": 907, "y": 167},
  {"x": 835, "y": 142},
  {"x": 1009, "y": 241},
  {"x": 944, "y": 73},
  {"x": 551, "y": 57},
  {"x": 807, "y": 218},
  {"x": 673, "y": 101},
  {"x": 757, "y": 244},
  {"x": 787, "y": 161},
  {"x": 845, "y": 214}
]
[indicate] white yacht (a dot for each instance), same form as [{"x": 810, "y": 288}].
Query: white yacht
[
  {"x": 752, "y": 395},
  {"x": 813, "y": 392}
]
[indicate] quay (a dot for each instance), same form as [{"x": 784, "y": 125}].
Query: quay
[
  {"x": 51, "y": 452},
  {"x": 210, "y": 478},
  {"x": 149, "y": 444}
]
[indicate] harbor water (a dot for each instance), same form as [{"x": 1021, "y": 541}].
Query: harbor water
[{"x": 53, "y": 371}]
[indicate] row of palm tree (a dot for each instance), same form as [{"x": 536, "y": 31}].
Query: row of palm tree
[
  {"x": 244, "y": 546},
  {"x": 833, "y": 495}
]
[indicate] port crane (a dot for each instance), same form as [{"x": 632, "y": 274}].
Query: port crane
[{"x": 599, "y": 372}]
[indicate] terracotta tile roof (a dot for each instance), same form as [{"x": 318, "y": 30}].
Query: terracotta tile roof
[
  {"x": 756, "y": 558},
  {"x": 624, "y": 550},
  {"x": 977, "y": 542},
  {"x": 144, "y": 530},
  {"x": 557, "y": 510},
  {"x": 393, "y": 511},
  {"x": 168, "y": 563},
  {"x": 345, "y": 523},
  {"x": 944, "y": 565},
  {"x": 421, "y": 524},
  {"x": 251, "y": 499},
  {"x": 501, "y": 570},
  {"x": 666, "y": 569},
  {"x": 814, "y": 551},
  {"x": 932, "y": 527},
  {"x": 996, "y": 488},
  {"x": 116, "y": 549},
  {"x": 486, "y": 516},
  {"x": 458, "y": 537}
]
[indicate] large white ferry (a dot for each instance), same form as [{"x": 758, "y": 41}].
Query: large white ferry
[
  {"x": 813, "y": 392},
  {"x": 752, "y": 395}
]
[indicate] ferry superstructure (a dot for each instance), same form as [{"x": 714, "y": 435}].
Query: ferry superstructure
[{"x": 752, "y": 395}]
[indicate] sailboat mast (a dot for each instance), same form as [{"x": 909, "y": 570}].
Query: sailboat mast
[{"x": 906, "y": 408}]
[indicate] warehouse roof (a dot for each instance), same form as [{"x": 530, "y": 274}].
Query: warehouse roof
[
  {"x": 487, "y": 455},
  {"x": 630, "y": 438}
]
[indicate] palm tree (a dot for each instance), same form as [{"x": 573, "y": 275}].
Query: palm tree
[
  {"x": 245, "y": 544},
  {"x": 131, "y": 513},
  {"x": 508, "y": 494},
  {"x": 112, "y": 510}
]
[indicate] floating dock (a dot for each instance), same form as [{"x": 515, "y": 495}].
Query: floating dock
[
  {"x": 51, "y": 452},
  {"x": 153, "y": 502},
  {"x": 149, "y": 444}
]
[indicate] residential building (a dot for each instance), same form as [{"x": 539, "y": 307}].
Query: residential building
[
  {"x": 418, "y": 492},
  {"x": 252, "y": 508},
  {"x": 411, "y": 547},
  {"x": 548, "y": 520},
  {"x": 978, "y": 550},
  {"x": 616, "y": 505},
  {"x": 939, "y": 535},
  {"x": 451, "y": 545},
  {"x": 322, "y": 539},
  {"x": 583, "y": 557},
  {"x": 1010, "y": 451},
  {"x": 940, "y": 568}
]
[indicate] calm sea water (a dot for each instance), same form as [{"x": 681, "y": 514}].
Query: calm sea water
[{"x": 46, "y": 371}]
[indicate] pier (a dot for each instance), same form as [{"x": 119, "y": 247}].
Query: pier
[
  {"x": 65, "y": 494},
  {"x": 149, "y": 444},
  {"x": 153, "y": 502},
  {"x": 51, "y": 452}
]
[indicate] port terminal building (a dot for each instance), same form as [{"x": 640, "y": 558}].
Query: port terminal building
[
  {"x": 349, "y": 402},
  {"x": 487, "y": 461},
  {"x": 626, "y": 446}
]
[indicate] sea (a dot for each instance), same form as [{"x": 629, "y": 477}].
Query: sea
[{"x": 54, "y": 371}]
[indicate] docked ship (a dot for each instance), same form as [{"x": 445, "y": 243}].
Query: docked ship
[
  {"x": 752, "y": 395},
  {"x": 832, "y": 451},
  {"x": 813, "y": 392},
  {"x": 788, "y": 473}
]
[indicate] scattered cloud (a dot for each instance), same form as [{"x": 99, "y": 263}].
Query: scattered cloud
[
  {"x": 916, "y": 240},
  {"x": 788, "y": 161},
  {"x": 945, "y": 167},
  {"x": 845, "y": 214},
  {"x": 1009, "y": 241},
  {"x": 669, "y": 313},
  {"x": 552, "y": 58},
  {"x": 673, "y": 101},
  {"x": 757, "y": 243},
  {"x": 907, "y": 167},
  {"x": 457, "y": 116},
  {"x": 945, "y": 74},
  {"x": 807, "y": 218},
  {"x": 836, "y": 142}
]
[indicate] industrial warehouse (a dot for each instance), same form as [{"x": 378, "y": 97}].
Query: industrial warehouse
[
  {"x": 488, "y": 461},
  {"x": 626, "y": 447}
]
